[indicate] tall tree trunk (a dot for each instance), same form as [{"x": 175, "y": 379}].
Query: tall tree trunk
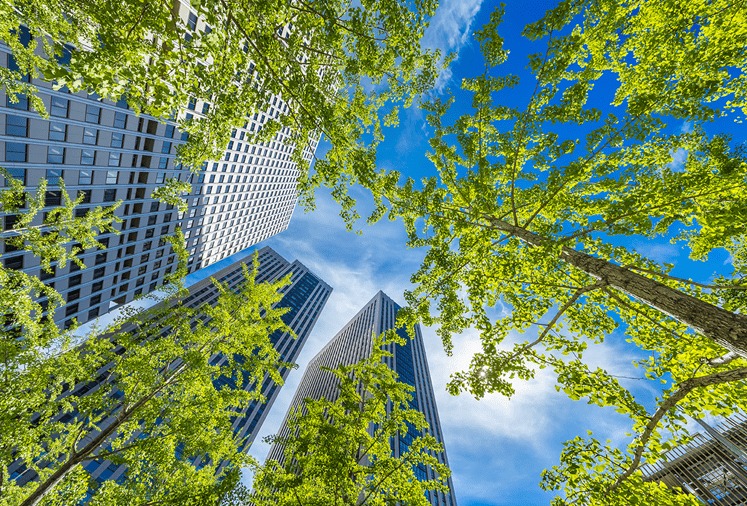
[{"x": 723, "y": 327}]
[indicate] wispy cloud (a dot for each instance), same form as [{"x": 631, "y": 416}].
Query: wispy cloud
[
  {"x": 497, "y": 447},
  {"x": 450, "y": 29}
]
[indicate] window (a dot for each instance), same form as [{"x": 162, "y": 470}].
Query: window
[
  {"x": 18, "y": 101},
  {"x": 14, "y": 262},
  {"x": 100, "y": 258},
  {"x": 159, "y": 177},
  {"x": 154, "y": 206},
  {"x": 149, "y": 233},
  {"x": 120, "y": 119},
  {"x": 166, "y": 148},
  {"x": 74, "y": 280},
  {"x": 54, "y": 176},
  {"x": 43, "y": 274},
  {"x": 53, "y": 198},
  {"x": 15, "y": 152},
  {"x": 163, "y": 163},
  {"x": 93, "y": 114},
  {"x": 71, "y": 308},
  {"x": 152, "y": 220},
  {"x": 165, "y": 230},
  {"x": 85, "y": 177},
  {"x": 90, "y": 135},
  {"x": 110, "y": 195},
  {"x": 59, "y": 107},
  {"x": 16, "y": 126},
  {"x": 111, "y": 177},
  {"x": 17, "y": 174},
  {"x": 117, "y": 140},
  {"x": 57, "y": 132},
  {"x": 97, "y": 286},
  {"x": 192, "y": 103},
  {"x": 169, "y": 131},
  {"x": 98, "y": 273},
  {"x": 10, "y": 222},
  {"x": 93, "y": 313},
  {"x": 55, "y": 154},
  {"x": 87, "y": 157},
  {"x": 114, "y": 159},
  {"x": 86, "y": 194}
]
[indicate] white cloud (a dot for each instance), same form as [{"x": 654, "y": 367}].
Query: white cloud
[
  {"x": 450, "y": 29},
  {"x": 497, "y": 447}
]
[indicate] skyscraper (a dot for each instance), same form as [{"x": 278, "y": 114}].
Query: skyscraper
[
  {"x": 104, "y": 152},
  {"x": 712, "y": 467},
  {"x": 352, "y": 344},
  {"x": 305, "y": 296}
]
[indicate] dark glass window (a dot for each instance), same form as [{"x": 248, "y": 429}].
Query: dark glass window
[
  {"x": 54, "y": 176},
  {"x": 93, "y": 113},
  {"x": 97, "y": 286},
  {"x": 87, "y": 156},
  {"x": 59, "y": 107},
  {"x": 85, "y": 177},
  {"x": 90, "y": 135},
  {"x": 117, "y": 140},
  {"x": 86, "y": 194},
  {"x": 21, "y": 102},
  {"x": 16, "y": 126},
  {"x": 18, "y": 174},
  {"x": 10, "y": 222},
  {"x": 15, "y": 152},
  {"x": 14, "y": 262},
  {"x": 110, "y": 195},
  {"x": 57, "y": 132},
  {"x": 169, "y": 131},
  {"x": 166, "y": 147},
  {"x": 55, "y": 154},
  {"x": 53, "y": 198},
  {"x": 100, "y": 258},
  {"x": 120, "y": 119},
  {"x": 75, "y": 280}
]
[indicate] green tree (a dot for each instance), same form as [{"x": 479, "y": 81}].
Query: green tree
[
  {"x": 339, "y": 451},
  {"x": 335, "y": 65},
  {"x": 534, "y": 209},
  {"x": 138, "y": 395}
]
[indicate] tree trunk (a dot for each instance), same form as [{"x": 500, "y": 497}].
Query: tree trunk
[{"x": 723, "y": 327}]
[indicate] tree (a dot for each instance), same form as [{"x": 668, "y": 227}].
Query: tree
[
  {"x": 534, "y": 209},
  {"x": 137, "y": 395},
  {"x": 335, "y": 65},
  {"x": 339, "y": 451}
]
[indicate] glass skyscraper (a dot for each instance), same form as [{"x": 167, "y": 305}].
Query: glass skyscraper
[
  {"x": 104, "y": 152},
  {"x": 305, "y": 296},
  {"x": 354, "y": 343}
]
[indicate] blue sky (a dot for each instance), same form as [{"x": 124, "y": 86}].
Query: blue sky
[{"x": 497, "y": 447}]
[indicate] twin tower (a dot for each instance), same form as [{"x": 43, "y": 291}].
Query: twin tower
[{"x": 305, "y": 297}]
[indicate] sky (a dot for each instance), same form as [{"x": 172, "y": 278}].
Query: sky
[{"x": 497, "y": 447}]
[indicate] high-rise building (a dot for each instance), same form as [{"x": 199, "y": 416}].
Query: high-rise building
[
  {"x": 305, "y": 296},
  {"x": 354, "y": 343},
  {"x": 104, "y": 152},
  {"x": 712, "y": 467}
]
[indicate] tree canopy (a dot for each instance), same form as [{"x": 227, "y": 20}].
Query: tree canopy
[
  {"x": 339, "y": 451},
  {"x": 534, "y": 210},
  {"x": 334, "y": 65}
]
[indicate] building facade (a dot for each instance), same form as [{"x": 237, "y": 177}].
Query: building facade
[
  {"x": 305, "y": 296},
  {"x": 354, "y": 343},
  {"x": 712, "y": 467},
  {"x": 103, "y": 151}
]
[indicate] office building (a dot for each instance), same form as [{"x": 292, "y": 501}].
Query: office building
[
  {"x": 104, "y": 152},
  {"x": 354, "y": 343},
  {"x": 712, "y": 467},
  {"x": 305, "y": 296}
]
